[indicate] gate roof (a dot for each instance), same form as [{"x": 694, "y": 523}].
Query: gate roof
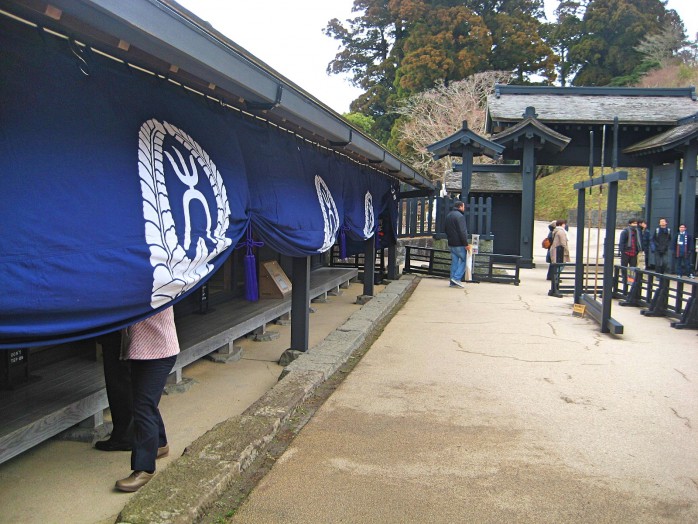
[{"x": 590, "y": 105}]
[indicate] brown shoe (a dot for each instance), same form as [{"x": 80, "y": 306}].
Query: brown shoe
[
  {"x": 163, "y": 451},
  {"x": 134, "y": 481}
]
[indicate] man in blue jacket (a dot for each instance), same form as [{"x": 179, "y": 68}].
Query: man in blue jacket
[
  {"x": 683, "y": 250},
  {"x": 457, "y": 235}
]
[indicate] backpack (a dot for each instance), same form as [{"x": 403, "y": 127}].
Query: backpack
[{"x": 546, "y": 243}]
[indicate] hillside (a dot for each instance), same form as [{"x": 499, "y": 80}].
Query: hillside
[{"x": 555, "y": 194}]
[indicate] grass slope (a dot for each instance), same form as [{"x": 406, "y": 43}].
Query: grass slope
[{"x": 555, "y": 194}]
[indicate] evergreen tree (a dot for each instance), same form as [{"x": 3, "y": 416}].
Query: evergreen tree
[
  {"x": 562, "y": 35},
  {"x": 395, "y": 48},
  {"x": 611, "y": 31}
]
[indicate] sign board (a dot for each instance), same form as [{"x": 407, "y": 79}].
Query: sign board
[
  {"x": 475, "y": 241},
  {"x": 273, "y": 282},
  {"x": 579, "y": 309},
  {"x": 14, "y": 368}
]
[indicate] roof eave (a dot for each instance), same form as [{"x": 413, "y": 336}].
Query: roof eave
[{"x": 164, "y": 29}]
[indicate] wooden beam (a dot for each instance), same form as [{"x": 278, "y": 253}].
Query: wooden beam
[
  {"x": 416, "y": 193},
  {"x": 490, "y": 168},
  {"x": 605, "y": 179},
  {"x": 300, "y": 304}
]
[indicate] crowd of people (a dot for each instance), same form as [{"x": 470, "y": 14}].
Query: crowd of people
[{"x": 660, "y": 250}]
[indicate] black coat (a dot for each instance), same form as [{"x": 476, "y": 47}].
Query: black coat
[
  {"x": 456, "y": 229},
  {"x": 661, "y": 240}
]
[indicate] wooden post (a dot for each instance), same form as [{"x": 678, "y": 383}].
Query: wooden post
[
  {"x": 688, "y": 191},
  {"x": 300, "y": 304},
  {"x": 392, "y": 262},
  {"x": 579, "y": 255},
  {"x": 369, "y": 265},
  {"x": 608, "y": 250},
  {"x": 467, "y": 174},
  {"x": 414, "y": 206},
  {"x": 528, "y": 199}
]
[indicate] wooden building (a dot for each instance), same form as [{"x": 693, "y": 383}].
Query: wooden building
[
  {"x": 579, "y": 126},
  {"x": 115, "y": 116}
]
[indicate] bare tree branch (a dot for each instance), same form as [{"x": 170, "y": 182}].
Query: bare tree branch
[{"x": 432, "y": 115}]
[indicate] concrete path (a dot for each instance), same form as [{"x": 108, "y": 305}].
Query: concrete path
[
  {"x": 495, "y": 404},
  {"x": 61, "y": 481}
]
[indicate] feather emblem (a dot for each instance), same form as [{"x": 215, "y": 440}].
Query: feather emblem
[
  {"x": 330, "y": 214},
  {"x": 174, "y": 272},
  {"x": 369, "y": 219}
]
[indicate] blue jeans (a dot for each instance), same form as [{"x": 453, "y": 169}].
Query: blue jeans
[
  {"x": 457, "y": 263},
  {"x": 683, "y": 266}
]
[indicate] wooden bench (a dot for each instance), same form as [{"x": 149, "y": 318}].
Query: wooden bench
[{"x": 72, "y": 391}]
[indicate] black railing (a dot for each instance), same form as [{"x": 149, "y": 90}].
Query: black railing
[
  {"x": 427, "y": 261},
  {"x": 563, "y": 279},
  {"x": 357, "y": 261},
  {"x": 663, "y": 295},
  {"x": 487, "y": 267}
]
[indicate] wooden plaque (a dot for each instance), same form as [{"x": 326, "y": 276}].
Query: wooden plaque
[{"x": 273, "y": 282}]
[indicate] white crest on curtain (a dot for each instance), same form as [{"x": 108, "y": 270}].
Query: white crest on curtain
[
  {"x": 330, "y": 215},
  {"x": 173, "y": 271},
  {"x": 369, "y": 219}
]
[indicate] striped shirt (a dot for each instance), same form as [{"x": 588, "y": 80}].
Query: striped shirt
[{"x": 153, "y": 338}]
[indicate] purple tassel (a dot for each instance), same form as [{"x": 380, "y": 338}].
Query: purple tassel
[
  {"x": 251, "y": 291},
  {"x": 343, "y": 242},
  {"x": 251, "y": 287}
]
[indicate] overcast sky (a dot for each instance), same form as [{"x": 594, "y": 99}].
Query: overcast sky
[{"x": 288, "y": 35}]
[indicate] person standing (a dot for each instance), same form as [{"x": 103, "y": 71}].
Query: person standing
[
  {"x": 683, "y": 252},
  {"x": 151, "y": 348},
  {"x": 551, "y": 228},
  {"x": 645, "y": 241},
  {"x": 457, "y": 236},
  {"x": 117, "y": 378},
  {"x": 559, "y": 254},
  {"x": 630, "y": 244},
  {"x": 660, "y": 244}
]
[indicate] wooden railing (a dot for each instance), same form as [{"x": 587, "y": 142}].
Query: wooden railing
[
  {"x": 425, "y": 216},
  {"x": 417, "y": 217},
  {"x": 357, "y": 261},
  {"x": 564, "y": 283},
  {"x": 661, "y": 294},
  {"x": 487, "y": 267}
]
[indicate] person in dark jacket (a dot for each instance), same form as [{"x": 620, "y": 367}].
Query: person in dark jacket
[
  {"x": 645, "y": 238},
  {"x": 457, "y": 235},
  {"x": 683, "y": 250},
  {"x": 630, "y": 244},
  {"x": 551, "y": 228},
  {"x": 660, "y": 243}
]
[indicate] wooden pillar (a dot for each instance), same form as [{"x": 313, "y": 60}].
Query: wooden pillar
[
  {"x": 392, "y": 263},
  {"x": 369, "y": 265},
  {"x": 688, "y": 190},
  {"x": 579, "y": 256},
  {"x": 608, "y": 250},
  {"x": 300, "y": 304},
  {"x": 648, "y": 198},
  {"x": 528, "y": 199},
  {"x": 466, "y": 174}
]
